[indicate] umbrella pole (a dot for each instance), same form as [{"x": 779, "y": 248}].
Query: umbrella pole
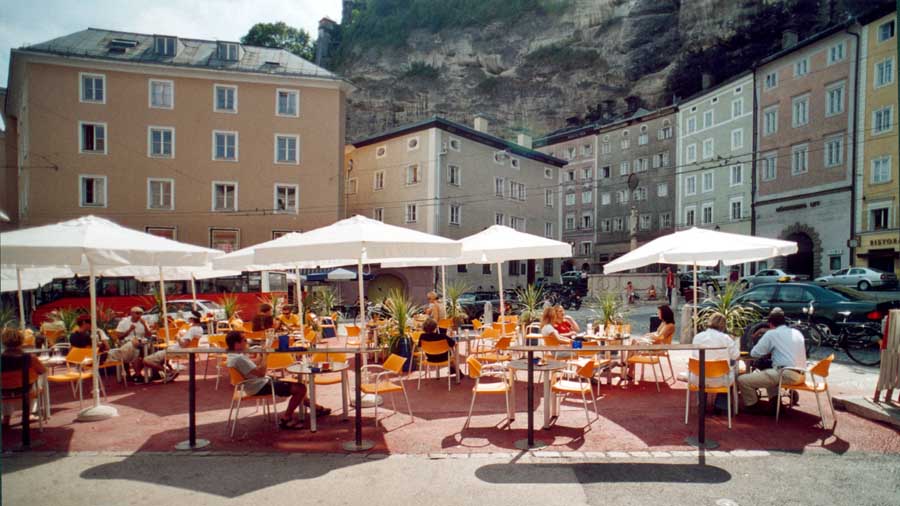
[
  {"x": 97, "y": 411},
  {"x": 298, "y": 294},
  {"x": 21, "y": 300},
  {"x": 162, "y": 310},
  {"x": 500, "y": 282},
  {"x": 695, "y": 298},
  {"x": 194, "y": 292},
  {"x": 444, "y": 287},
  {"x": 368, "y": 400}
]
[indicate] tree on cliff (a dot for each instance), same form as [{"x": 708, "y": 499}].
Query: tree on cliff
[{"x": 280, "y": 35}]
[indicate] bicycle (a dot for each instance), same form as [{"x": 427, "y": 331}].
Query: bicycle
[{"x": 861, "y": 341}]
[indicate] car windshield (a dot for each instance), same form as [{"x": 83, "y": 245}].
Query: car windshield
[
  {"x": 467, "y": 297},
  {"x": 849, "y": 293},
  {"x": 211, "y": 305}
]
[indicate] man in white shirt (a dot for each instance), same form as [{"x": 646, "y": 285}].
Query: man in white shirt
[
  {"x": 788, "y": 349},
  {"x": 715, "y": 335},
  {"x": 134, "y": 325}
]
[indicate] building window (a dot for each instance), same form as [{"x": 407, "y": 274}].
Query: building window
[
  {"x": 161, "y": 142},
  {"x": 287, "y": 103},
  {"x": 517, "y": 191},
  {"x": 378, "y": 214},
  {"x": 690, "y": 154},
  {"x": 454, "y": 175},
  {"x": 513, "y": 269},
  {"x": 690, "y": 185},
  {"x": 225, "y": 146},
  {"x": 800, "y": 114},
  {"x": 618, "y": 224},
  {"x": 770, "y": 121},
  {"x": 737, "y": 138},
  {"x": 737, "y": 175},
  {"x": 708, "y": 148},
  {"x": 690, "y": 216},
  {"x": 514, "y": 163},
  {"x": 380, "y": 151},
  {"x": 164, "y": 46},
  {"x": 412, "y": 175},
  {"x": 645, "y": 222},
  {"x": 412, "y": 213},
  {"x": 640, "y": 193},
  {"x": 708, "y": 181},
  {"x": 884, "y": 72},
  {"x": 587, "y": 197},
  {"x": 605, "y": 171},
  {"x": 835, "y": 100},
  {"x": 665, "y": 132},
  {"x": 836, "y": 52},
  {"x": 737, "y": 108},
  {"x": 587, "y": 220},
  {"x": 886, "y": 31},
  {"x": 736, "y": 206},
  {"x": 605, "y": 225},
  {"x": 548, "y": 229},
  {"x": 643, "y": 138},
  {"x": 879, "y": 217},
  {"x": 662, "y": 189},
  {"x": 570, "y": 199},
  {"x": 501, "y": 156},
  {"x": 287, "y": 149},
  {"x": 224, "y": 196},
  {"x": 93, "y": 88},
  {"x": 499, "y": 187},
  {"x": 834, "y": 151},
  {"x": 570, "y": 176},
  {"x": 454, "y": 214},
  {"x": 587, "y": 149},
  {"x": 691, "y": 125},
  {"x": 548, "y": 173},
  {"x": 162, "y": 94},
  {"x": 605, "y": 198},
  {"x": 548, "y": 267},
  {"x": 587, "y": 173},
  {"x": 92, "y": 191},
  {"x": 708, "y": 119},
  {"x": 771, "y": 80},
  {"x": 605, "y": 148},
  {"x": 412, "y": 144},
  {"x": 622, "y": 197},
  {"x": 517, "y": 223},
  {"x": 225, "y": 98},
  {"x": 640, "y": 165},
  {"x": 486, "y": 269},
  {"x": 225, "y": 239},
  {"x": 801, "y": 67},
  {"x": 351, "y": 186},
  {"x": 378, "y": 182},
  {"x": 161, "y": 194},
  {"x": 881, "y": 170},
  {"x": 499, "y": 219},
  {"x": 625, "y": 142},
  {"x": 799, "y": 159},
  {"x": 455, "y": 144},
  {"x": 281, "y": 233},
  {"x": 229, "y": 51},
  {"x": 548, "y": 198},
  {"x": 462, "y": 268},
  {"x": 570, "y": 221},
  {"x": 93, "y": 137},
  {"x": 881, "y": 120},
  {"x": 286, "y": 200},
  {"x": 167, "y": 232},
  {"x": 707, "y": 215},
  {"x": 769, "y": 166},
  {"x": 665, "y": 221},
  {"x": 584, "y": 248},
  {"x": 624, "y": 168}
]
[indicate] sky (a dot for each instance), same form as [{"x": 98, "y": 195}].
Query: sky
[{"x": 33, "y": 21}]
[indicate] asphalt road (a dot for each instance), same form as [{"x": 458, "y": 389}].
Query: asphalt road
[{"x": 504, "y": 479}]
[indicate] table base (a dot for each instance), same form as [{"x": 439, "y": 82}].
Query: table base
[
  {"x": 351, "y": 446},
  {"x": 522, "y": 444},
  {"x": 186, "y": 445},
  {"x": 97, "y": 413},
  {"x": 709, "y": 444},
  {"x": 369, "y": 401}
]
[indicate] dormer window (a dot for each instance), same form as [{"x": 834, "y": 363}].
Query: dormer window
[
  {"x": 229, "y": 51},
  {"x": 164, "y": 45}
]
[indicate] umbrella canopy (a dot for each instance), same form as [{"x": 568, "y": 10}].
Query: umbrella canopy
[
  {"x": 341, "y": 275},
  {"x": 244, "y": 259},
  {"x": 698, "y": 246},
  {"x": 151, "y": 274},
  {"x": 31, "y": 277}
]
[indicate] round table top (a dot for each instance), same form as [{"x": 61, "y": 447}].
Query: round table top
[
  {"x": 548, "y": 365},
  {"x": 300, "y": 368}
]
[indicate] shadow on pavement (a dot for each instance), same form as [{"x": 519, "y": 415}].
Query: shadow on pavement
[{"x": 613, "y": 472}]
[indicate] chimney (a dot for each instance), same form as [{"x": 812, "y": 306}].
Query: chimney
[
  {"x": 524, "y": 140},
  {"x": 481, "y": 123},
  {"x": 789, "y": 38},
  {"x": 706, "y": 80},
  {"x": 632, "y": 102},
  {"x": 608, "y": 109}
]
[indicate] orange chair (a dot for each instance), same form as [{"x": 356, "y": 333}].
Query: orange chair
[
  {"x": 817, "y": 384},
  {"x": 78, "y": 369},
  {"x": 53, "y": 336},
  {"x": 239, "y": 381},
  {"x": 333, "y": 378},
  {"x": 435, "y": 348},
  {"x": 352, "y": 335},
  {"x": 13, "y": 390},
  {"x": 477, "y": 371},
  {"x": 476, "y": 324},
  {"x": 445, "y": 323},
  {"x": 216, "y": 341},
  {"x": 495, "y": 354},
  {"x": 280, "y": 362},
  {"x": 576, "y": 382},
  {"x": 383, "y": 384},
  {"x": 714, "y": 369},
  {"x": 645, "y": 359}
]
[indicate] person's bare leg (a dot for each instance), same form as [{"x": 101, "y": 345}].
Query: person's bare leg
[{"x": 298, "y": 393}]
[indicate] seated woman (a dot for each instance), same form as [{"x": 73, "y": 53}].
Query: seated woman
[
  {"x": 651, "y": 292},
  {"x": 263, "y": 319},
  {"x": 549, "y": 319},
  {"x": 564, "y": 324},
  {"x": 235, "y": 322},
  {"x": 430, "y": 334},
  {"x": 715, "y": 335},
  {"x": 12, "y": 360},
  {"x": 666, "y": 328}
]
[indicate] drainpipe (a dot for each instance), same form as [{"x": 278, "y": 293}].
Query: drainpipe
[
  {"x": 855, "y": 98},
  {"x": 753, "y": 159}
]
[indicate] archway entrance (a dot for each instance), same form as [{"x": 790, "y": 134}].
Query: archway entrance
[
  {"x": 801, "y": 262},
  {"x": 567, "y": 265},
  {"x": 378, "y": 288}
]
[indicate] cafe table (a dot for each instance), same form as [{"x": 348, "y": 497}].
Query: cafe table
[
  {"x": 310, "y": 369},
  {"x": 547, "y": 367}
]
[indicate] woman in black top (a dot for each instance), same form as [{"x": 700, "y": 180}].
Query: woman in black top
[
  {"x": 430, "y": 334},
  {"x": 264, "y": 319}
]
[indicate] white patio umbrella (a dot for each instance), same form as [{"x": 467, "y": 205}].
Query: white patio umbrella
[
  {"x": 700, "y": 246},
  {"x": 20, "y": 279},
  {"x": 191, "y": 274},
  {"x": 93, "y": 245}
]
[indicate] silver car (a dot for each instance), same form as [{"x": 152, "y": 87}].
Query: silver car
[
  {"x": 181, "y": 309},
  {"x": 770, "y": 276},
  {"x": 861, "y": 278}
]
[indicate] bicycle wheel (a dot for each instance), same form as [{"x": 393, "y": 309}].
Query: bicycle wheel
[
  {"x": 813, "y": 337},
  {"x": 863, "y": 345}
]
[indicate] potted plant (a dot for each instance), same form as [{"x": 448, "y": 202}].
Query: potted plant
[
  {"x": 274, "y": 300},
  {"x": 738, "y": 315},
  {"x": 400, "y": 309},
  {"x": 608, "y": 308},
  {"x": 325, "y": 301},
  {"x": 229, "y": 303},
  {"x": 65, "y": 317},
  {"x": 455, "y": 311},
  {"x": 531, "y": 302},
  {"x": 8, "y": 317}
]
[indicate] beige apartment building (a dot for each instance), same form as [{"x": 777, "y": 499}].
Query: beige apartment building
[
  {"x": 210, "y": 142},
  {"x": 445, "y": 178}
]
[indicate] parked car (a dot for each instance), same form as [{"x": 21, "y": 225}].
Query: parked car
[
  {"x": 569, "y": 277},
  {"x": 829, "y": 302},
  {"x": 770, "y": 276},
  {"x": 473, "y": 303},
  {"x": 181, "y": 308},
  {"x": 861, "y": 278}
]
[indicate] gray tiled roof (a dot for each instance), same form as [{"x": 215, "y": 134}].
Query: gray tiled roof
[{"x": 95, "y": 43}]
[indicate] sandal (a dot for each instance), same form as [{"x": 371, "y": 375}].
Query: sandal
[
  {"x": 323, "y": 411},
  {"x": 289, "y": 424}
]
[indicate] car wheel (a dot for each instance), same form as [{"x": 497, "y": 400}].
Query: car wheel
[{"x": 863, "y": 285}]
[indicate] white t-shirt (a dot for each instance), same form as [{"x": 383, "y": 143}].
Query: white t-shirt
[
  {"x": 246, "y": 366},
  {"x": 184, "y": 339},
  {"x": 786, "y": 346},
  {"x": 126, "y": 323},
  {"x": 712, "y": 337}
]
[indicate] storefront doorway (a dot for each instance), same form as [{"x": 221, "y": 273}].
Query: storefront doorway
[{"x": 803, "y": 261}]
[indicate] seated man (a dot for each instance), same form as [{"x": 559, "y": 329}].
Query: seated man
[
  {"x": 129, "y": 353},
  {"x": 157, "y": 361},
  {"x": 288, "y": 320},
  {"x": 430, "y": 334},
  {"x": 134, "y": 325},
  {"x": 715, "y": 335},
  {"x": 258, "y": 385},
  {"x": 788, "y": 350}
]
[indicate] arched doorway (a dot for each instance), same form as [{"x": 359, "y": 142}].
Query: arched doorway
[
  {"x": 803, "y": 261},
  {"x": 378, "y": 288},
  {"x": 567, "y": 265},
  {"x": 585, "y": 267}
]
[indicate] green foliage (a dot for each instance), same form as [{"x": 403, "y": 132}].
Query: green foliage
[
  {"x": 455, "y": 310},
  {"x": 324, "y": 301},
  {"x": 399, "y": 309},
  {"x": 229, "y": 303},
  {"x": 105, "y": 316},
  {"x": 421, "y": 70},
  {"x": 531, "y": 301},
  {"x": 281, "y": 36},
  {"x": 153, "y": 300},
  {"x": 8, "y": 317},
  {"x": 562, "y": 56},
  {"x": 67, "y": 316},
  {"x": 608, "y": 307},
  {"x": 737, "y": 315},
  {"x": 274, "y": 300}
]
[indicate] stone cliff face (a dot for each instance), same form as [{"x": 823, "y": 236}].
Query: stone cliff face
[{"x": 541, "y": 71}]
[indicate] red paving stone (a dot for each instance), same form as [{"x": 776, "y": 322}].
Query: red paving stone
[{"x": 633, "y": 418}]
